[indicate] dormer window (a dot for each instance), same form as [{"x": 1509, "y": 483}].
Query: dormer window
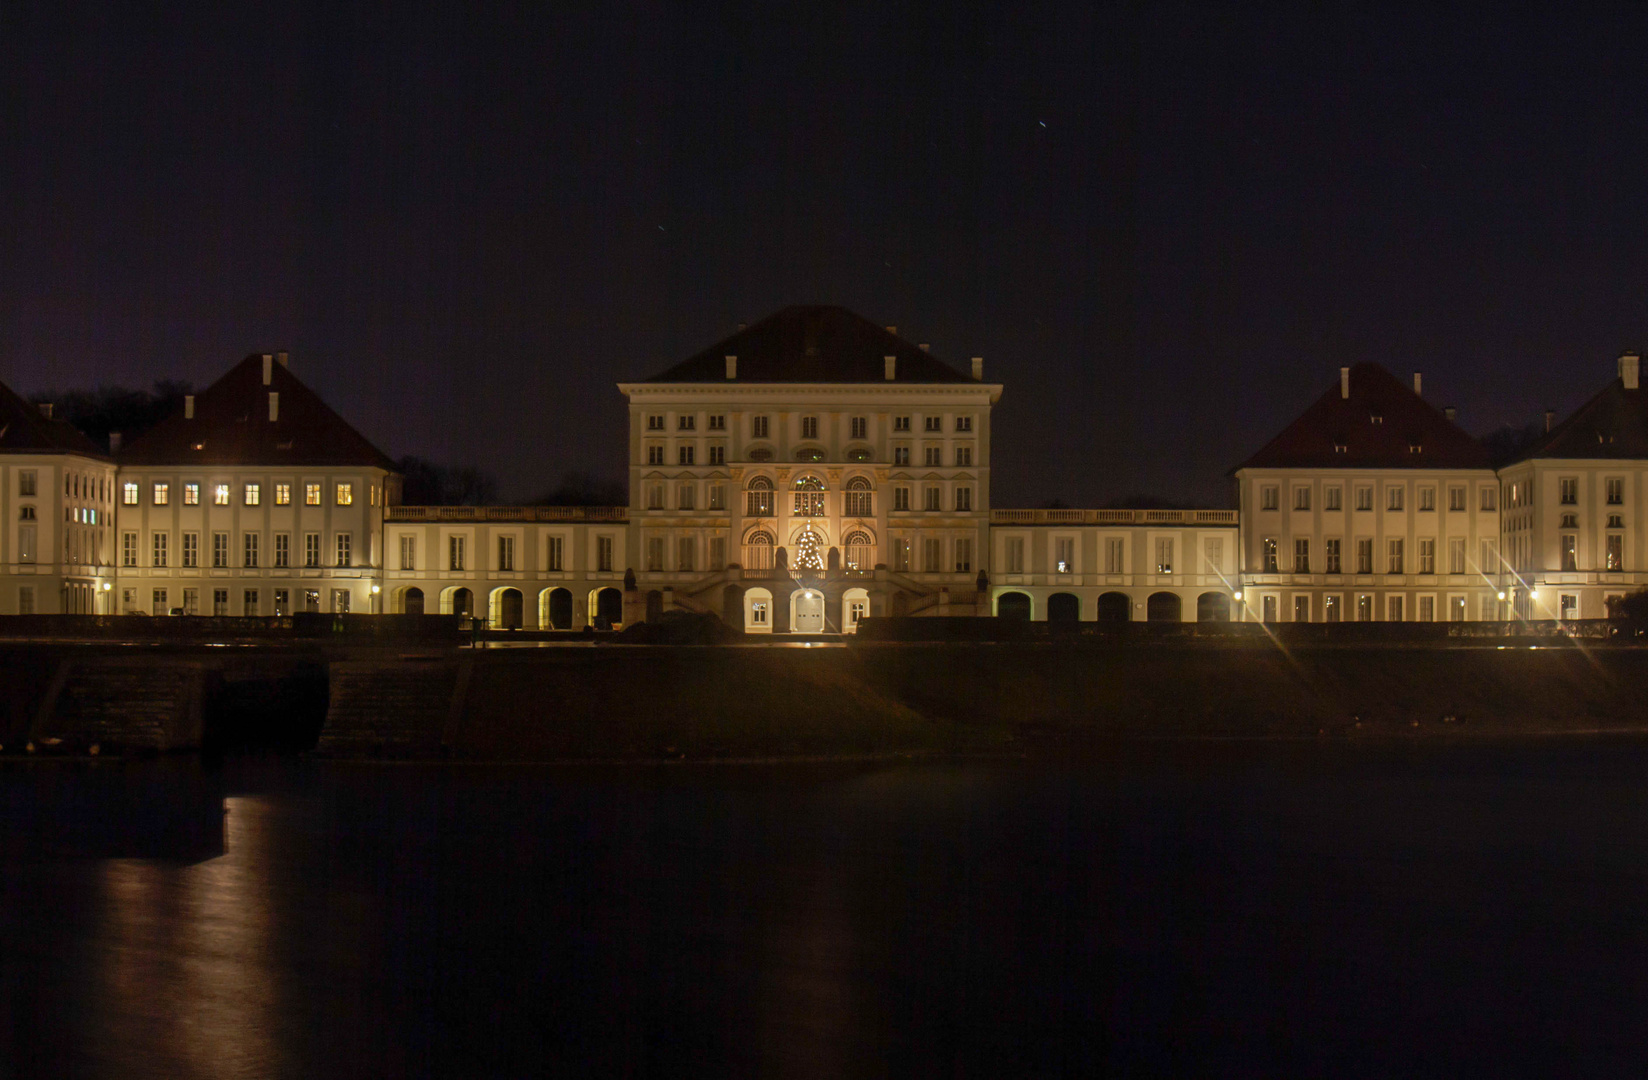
[
  {"x": 1340, "y": 448},
  {"x": 1376, "y": 419},
  {"x": 1414, "y": 448}
]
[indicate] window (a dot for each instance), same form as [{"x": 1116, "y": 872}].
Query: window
[
  {"x": 809, "y": 427},
  {"x": 249, "y": 544},
  {"x": 932, "y": 554},
  {"x": 1330, "y": 609},
  {"x": 901, "y": 498},
  {"x": 283, "y": 602},
  {"x": 1115, "y": 555},
  {"x": 1301, "y": 608},
  {"x": 1616, "y": 521},
  {"x": 655, "y": 455},
  {"x": 344, "y": 543},
  {"x": 128, "y": 493},
  {"x": 1269, "y": 497},
  {"x": 1427, "y": 499},
  {"x": 311, "y": 494},
  {"x": 901, "y": 455},
  {"x": 1567, "y": 606},
  {"x": 964, "y": 423},
  {"x": 409, "y": 552},
  {"x": 220, "y": 495},
  {"x": 685, "y": 455},
  {"x": 1213, "y": 554},
  {"x": 1393, "y": 551},
  {"x": 28, "y": 483},
  {"x": 554, "y": 554},
  {"x": 1331, "y": 497},
  {"x": 1364, "y": 607},
  {"x": 932, "y": 423},
  {"x": 506, "y": 553},
  {"x": 1569, "y": 490},
  {"x": 1490, "y": 558},
  {"x": 1570, "y": 551},
  {"x": 603, "y": 554},
  {"x": 964, "y": 499},
  {"x": 162, "y": 494},
  {"x": 858, "y": 498},
  {"x": 1456, "y": 497},
  {"x": 25, "y": 513},
  {"x": 1456, "y": 609},
  {"x": 220, "y": 549},
  {"x": 191, "y": 549},
  {"x": 758, "y": 427},
  {"x": 249, "y": 602},
  {"x": 158, "y": 551},
  {"x": 283, "y": 494},
  {"x": 758, "y": 498},
  {"x": 1267, "y": 610},
  {"x": 931, "y": 455},
  {"x": 655, "y": 496},
  {"x": 718, "y": 497},
  {"x": 1064, "y": 555},
  {"x": 686, "y": 422},
  {"x": 1267, "y": 555},
  {"x": 718, "y": 553},
  {"x": 686, "y": 553},
  {"x": 1301, "y": 498},
  {"x": 859, "y": 453},
  {"x": 340, "y": 601},
  {"x": 1393, "y": 609},
  {"x": 1330, "y": 554},
  {"x": 655, "y": 553},
  {"x": 859, "y": 427},
  {"x": 718, "y": 455},
  {"x": 964, "y": 555},
  {"x": 345, "y": 493},
  {"x": 809, "y": 453},
  {"x": 758, "y": 613},
  {"x": 655, "y": 422},
  {"x": 311, "y": 550},
  {"x": 1015, "y": 554},
  {"x": 252, "y": 495},
  {"x": 1615, "y": 552},
  {"x": 159, "y": 602},
  {"x": 964, "y": 456},
  {"x": 901, "y": 554},
  {"x": 283, "y": 550},
  {"x": 1393, "y": 497},
  {"x": 718, "y": 422},
  {"x": 1490, "y": 500},
  {"x": 809, "y": 497},
  {"x": 220, "y": 602},
  {"x": 1616, "y": 491},
  {"x": 1301, "y": 555},
  {"x": 930, "y": 497},
  {"x": 1570, "y": 521},
  {"x": 1164, "y": 555},
  {"x": 191, "y": 494},
  {"x": 1427, "y": 557},
  {"x": 1364, "y": 556},
  {"x": 128, "y": 549},
  {"x": 901, "y": 423},
  {"x": 455, "y": 552},
  {"x": 1456, "y": 555}
]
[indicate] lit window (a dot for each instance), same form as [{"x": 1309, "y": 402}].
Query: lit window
[
  {"x": 254, "y": 494},
  {"x": 283, "y": 494},
  {"x": 128, "y": 493},
  {"x": 162, "y": 494},
  {"x": 346, "y": 497},
  {"x": 220, "y": 495},
  {"x": 311, "y": 494},
  {"x": 191, "y": 494}
]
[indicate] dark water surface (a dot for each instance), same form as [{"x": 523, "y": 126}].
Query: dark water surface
[{"x": 1213, "y": 909}]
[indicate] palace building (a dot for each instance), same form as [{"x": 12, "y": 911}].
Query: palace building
[{"x": 809, "y": 471}]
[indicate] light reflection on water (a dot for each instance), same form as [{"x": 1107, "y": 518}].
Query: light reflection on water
[{"x": 1258, "y": 910}]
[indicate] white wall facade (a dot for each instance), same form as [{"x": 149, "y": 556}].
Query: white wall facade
[{"x": 56, "y": 548}]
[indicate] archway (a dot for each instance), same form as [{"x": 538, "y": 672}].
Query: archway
[
  {"x": 1013, "y": 605},
  {"x": 555, "y": 609},
  {"x": 1163, "y": 607},
  {"x": 860, "y": 551},
  {"x": 1213, "y": 607},
  {"x": 607, "y": 608},
  {"x": 655, "y": 605},
  {"x": 458, "y": 601},
  {"x": 806, "y": 612},
  {"x": 758, "y": 551},
  {"x": 505, "y": 609},
  {"x": 1063, "y": 607},
  {"x": 732, "y": 606},
  {"x": 412, "y": 600},
  {"x": 855, "y": 605},
  {"x": 757, "y": 611},
  {"x": 1115, "y": 607}
]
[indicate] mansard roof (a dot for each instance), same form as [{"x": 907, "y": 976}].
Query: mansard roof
[
  {"x": 813, "y": 344},
  {"x": 25, "y": 430},
  {"x": 1613, "y": 424},
  {"x": 231, "y": 426},
  {"x": 1382, "y": 424}
]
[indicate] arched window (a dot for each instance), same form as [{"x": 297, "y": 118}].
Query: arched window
[
  {"x": 860, "y": 551},
  {"x": 809, "y": 453},
  {"x": 809, "y": 496},
  {"x": 859, "y": 502},
  {"x": 758, "y": 551},
  {"x": 760, "y": 453},
  {"x": 758, "y": 498}
]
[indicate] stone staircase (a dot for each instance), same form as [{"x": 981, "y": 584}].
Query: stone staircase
[{"x": 393, "y": 708}]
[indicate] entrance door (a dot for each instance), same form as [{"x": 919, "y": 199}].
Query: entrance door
[{"x": 807, "y": 612}]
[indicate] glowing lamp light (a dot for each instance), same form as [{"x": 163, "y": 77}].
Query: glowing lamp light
[
  {"x": 376, "y": 590},
  {"x": 107, "y": 586},
  {"x": 1502, "y": 596},
  {"x": 1237, "y": 594}
]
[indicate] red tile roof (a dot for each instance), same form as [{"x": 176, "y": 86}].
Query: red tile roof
[
  {"x": 1383, "y": 424},
  {"x": 24, "y": 430},
  {"x": 231, "y": 426},
  {"x": 1612, "y": 425}
]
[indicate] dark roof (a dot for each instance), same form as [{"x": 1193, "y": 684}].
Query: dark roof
[
  {"x": 231, "y": 426},
  {"x": 1406, "y": 421},
  {"x": 1613, "y": 424},
  {"x": 813, "y": 344},
  {"x": 24, "y": 430}
]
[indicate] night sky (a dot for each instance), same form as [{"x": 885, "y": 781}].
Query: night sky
[{"x": 1164, "y": 228}]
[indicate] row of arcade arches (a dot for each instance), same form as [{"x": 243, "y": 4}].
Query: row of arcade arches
[
  {"x": 506, "y": 606},
  {"x": 1114, "y": 607}
]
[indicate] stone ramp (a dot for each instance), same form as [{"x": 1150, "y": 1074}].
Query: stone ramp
[
  {"x": 143, "y": 703},
  {"x": 392, "y": 708}
]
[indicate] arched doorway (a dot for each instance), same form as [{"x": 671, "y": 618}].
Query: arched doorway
[
  {"x": 732, "y": 606},
  {"x": 855, "y": 605},
  {"x": 507, "y": 609},
  {"x": 1063, "y": 607},
  {"x": 460, "y": 602},
  {"x": 555, "y": 609},
  {"x": 1213, "y": 607},
  {"x": 806, "y": 612},
  {"x": 1163, "y": 607},
  {"x": 655, "y": 605},
  {"x": 1013, "y": 605},
  {"x": 860, "y": 551},
  {"x": 758, "y": 611},
  {"x": 609, "y": 608},
  {"x": 1115, "y": 607},
  {"x": 412, "y": 600}
]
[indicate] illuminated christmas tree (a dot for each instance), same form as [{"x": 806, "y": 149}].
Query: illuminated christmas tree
[{"x": 807, "y": 556}]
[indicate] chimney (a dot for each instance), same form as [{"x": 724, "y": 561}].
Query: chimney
[
  {"x": 268, "y": 368},
  {"x": 114, "y": 442},
  {"x": 891, "y": 363},
  {"x": 1417, "y": 384},
  {"x": 274, "y": 405},
  {"x": 892, "y": 329},
  {"x": 732, "y": 367},
  {"x": 284, "y": 358},
  {"x": 978, "y": 368},
  {"x": 1344, "y": 382},
  {"x": 1628, "y": 365},
  {"x": 188, "y": 406},
  {"x": 1550, "y": 418},
  {"x": 46, "y": 408},
  {"x": 1449, "y": 412},
  {"x": 925, "y": 347}
]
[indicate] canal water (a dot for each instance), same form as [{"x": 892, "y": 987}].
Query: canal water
[{"x": 1213, "y": 909}]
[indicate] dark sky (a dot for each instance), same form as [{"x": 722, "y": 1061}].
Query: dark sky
[{"x": 1164, "y": 227}]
